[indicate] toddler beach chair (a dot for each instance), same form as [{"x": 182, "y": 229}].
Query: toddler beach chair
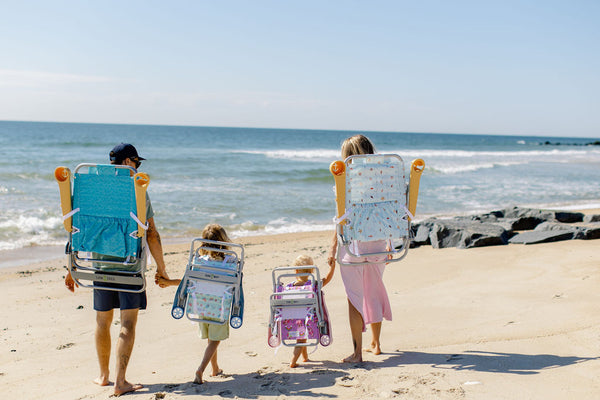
[
  {"x": 211, "y": 290},
  {"x": 298, "y": 312},
  {"x": 374, "y": 206},
  {"x": 105, "y": 217}
]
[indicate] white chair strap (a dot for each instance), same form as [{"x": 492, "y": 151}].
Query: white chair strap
[{"x": 70, "y": 214}]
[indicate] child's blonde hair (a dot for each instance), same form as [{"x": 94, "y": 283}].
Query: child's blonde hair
[
  {"x": 304, "y": 260},
  {"x": 215, "y": 232},
  {"x": 357, "y": 144}
]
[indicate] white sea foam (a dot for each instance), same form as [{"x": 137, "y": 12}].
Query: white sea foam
[{"x": 280, "y": 225}]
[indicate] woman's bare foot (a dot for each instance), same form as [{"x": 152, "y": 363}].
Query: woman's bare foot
[
  {"x": 374, "y": 348},
  {"x": 126, "y": 388},
  {"x": 293, "y": 364},
  {"x": 353, "y": 358},
  {"x": 217, "y": 373}
]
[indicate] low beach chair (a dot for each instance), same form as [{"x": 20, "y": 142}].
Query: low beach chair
[
  {"x": 105, "y": 217},
  {"x": 211, "y": 290},
  {"x": 375, "y": 205},
  {"x": 298, "y": 312}
]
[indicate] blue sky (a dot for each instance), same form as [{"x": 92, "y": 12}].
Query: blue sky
[{"x": 489, "y": 67}]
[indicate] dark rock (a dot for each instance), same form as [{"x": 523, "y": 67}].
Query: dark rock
[
  {"x": 568, "y": 217},
  {"x": 585, "y": 231},
  {"x": 592, "y": 218},
  {"x": 464, "y": 235},
  {"x": 533, "y": 237},
  {"x": 422, "y": 235}
]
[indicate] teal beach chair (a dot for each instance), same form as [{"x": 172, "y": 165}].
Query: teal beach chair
[{"x": 105, "y": 217}]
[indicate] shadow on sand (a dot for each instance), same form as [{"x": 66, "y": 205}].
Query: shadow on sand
[
  {"x": 304, "y": 383},
  {"x": 484, "y": 361}
]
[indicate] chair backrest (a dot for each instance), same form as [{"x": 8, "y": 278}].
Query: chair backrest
[
  {"x": 376, "y": 192},
  {"x": 104, "y": 200}
]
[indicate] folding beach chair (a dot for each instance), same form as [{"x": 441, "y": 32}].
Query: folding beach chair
[
  {"x": 298, "y": 312},
  {"x": 105, "y": 216},
  {"x": 375, "y": 204},
  {"x": 211, "y": 290}
]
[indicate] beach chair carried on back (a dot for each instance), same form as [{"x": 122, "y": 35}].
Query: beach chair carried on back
[
  {"x": 298, "y": 312},
  {"x": 211, "y": 290},
  {"x": 375, "y": 204},
  {"x": 105, "y": 216}
]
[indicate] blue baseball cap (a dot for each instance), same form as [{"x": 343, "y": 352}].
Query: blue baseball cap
[{"x": 122, "y": 151}]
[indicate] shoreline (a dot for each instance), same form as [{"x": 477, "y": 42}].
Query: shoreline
[{"x": 16, "y": 258}]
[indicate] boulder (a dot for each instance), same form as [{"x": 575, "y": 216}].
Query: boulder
[
  {"x": 532, "y": 237},
  {"x": 464, "y": 235},
  {"x": 592, "y": 218}
]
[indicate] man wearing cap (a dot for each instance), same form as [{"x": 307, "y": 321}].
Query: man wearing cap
[{"x": 105, "y": 301}]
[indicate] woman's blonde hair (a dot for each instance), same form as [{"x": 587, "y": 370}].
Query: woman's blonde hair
[
  {"x": 357, "y": 144},
  {"x": 215, "y": 232}
]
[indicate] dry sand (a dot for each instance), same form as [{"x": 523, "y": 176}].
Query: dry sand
[{"x": 506, "y": 322}]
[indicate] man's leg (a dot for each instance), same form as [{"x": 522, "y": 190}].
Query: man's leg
[
  {"x": 102, "y": 334},
  {"x": 124, "y": 348}
]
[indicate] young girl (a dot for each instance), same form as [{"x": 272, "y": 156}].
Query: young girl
[
  {"x": 214, "y": 333},
  {"x": 368, "y": 302},
  {"x": 301, "y": 281}
]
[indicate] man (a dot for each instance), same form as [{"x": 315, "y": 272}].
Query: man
[{"x": 105, "y": 301}]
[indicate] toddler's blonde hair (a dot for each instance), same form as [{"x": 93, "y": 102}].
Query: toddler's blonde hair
[
  {"x": 215, "y": 232},
  {"x": 304, "y": 260}
]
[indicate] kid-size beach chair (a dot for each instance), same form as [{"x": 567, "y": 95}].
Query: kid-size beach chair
[
  {"x": 298, "y": 312},
  {"x": 211, "y": 290},
  {"x": 105, "y": 217},
  {"x": 375, "y": 204}
]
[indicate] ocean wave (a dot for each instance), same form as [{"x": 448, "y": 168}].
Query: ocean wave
[
  {"x": 455, "y": 169},
  {"x": 278, "y": 226},
  {"x": 424, "y": 153},
  {"x": 322, "y": 155}
]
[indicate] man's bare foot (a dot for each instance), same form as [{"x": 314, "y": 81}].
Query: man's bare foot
[
  {"x": 102, "y": 381},
  {"x": 217, "y": 373},
  {"x": 198, "y": 380},
  {"x": 353, "y": 358},
  {"x": 126, "y": 388}
]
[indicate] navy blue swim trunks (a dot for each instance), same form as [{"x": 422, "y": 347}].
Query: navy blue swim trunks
[{"x": 106, "y": 300}]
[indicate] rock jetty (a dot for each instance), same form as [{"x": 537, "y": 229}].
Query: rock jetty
[{"x": 511, "y": 225}]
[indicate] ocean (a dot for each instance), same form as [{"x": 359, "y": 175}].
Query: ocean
[{"x": 266, "y": 181}]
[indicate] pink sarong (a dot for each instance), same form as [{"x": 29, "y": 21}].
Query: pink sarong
[{"x": 364, "y": 283}]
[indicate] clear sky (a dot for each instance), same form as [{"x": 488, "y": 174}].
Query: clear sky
[{"x": 489, "y": 67}]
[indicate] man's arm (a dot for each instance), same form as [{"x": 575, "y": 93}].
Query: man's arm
[{"x": 155, "y": 246}]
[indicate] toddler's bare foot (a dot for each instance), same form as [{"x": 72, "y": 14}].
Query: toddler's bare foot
[
  {"x": 198, "y": 380},
  {"x": 126, "y": 388}
]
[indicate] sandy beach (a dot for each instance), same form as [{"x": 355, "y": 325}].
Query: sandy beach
[{"x": 502, "y": 322}]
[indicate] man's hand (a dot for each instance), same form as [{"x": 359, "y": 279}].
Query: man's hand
[{"x": 70, "y": 283}]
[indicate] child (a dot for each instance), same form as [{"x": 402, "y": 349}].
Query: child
[
  {"x": 213, "y": 332},
  {"x": 301, "y": 281}
]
